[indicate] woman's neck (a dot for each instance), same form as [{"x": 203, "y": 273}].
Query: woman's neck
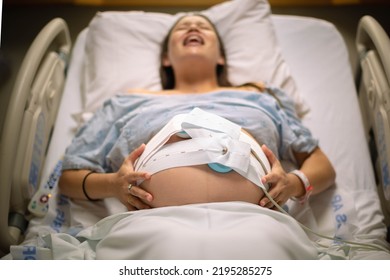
[
  {"x": 196, "y": 81},
  {"x": 198, "y": 87}
]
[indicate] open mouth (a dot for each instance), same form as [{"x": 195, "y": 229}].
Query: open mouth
[{"x": 193, "y": 40}]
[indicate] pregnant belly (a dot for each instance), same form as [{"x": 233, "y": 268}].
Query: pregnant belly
[{"x": 199, "y": 184}]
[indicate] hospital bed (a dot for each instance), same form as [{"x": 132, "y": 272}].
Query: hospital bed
[{"x": 59, "y": 86}]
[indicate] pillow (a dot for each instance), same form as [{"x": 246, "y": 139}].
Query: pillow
[{"x": 123, "y": 49}]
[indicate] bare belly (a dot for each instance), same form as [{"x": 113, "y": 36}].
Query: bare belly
[{"x": 199, "y": 184}]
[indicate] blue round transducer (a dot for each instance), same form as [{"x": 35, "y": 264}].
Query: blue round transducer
[{"x": 220, "y": 168}]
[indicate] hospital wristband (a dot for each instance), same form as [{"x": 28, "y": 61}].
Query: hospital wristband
[{"x": 306, "y": 184}]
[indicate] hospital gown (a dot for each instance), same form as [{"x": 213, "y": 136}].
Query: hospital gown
[{"x": 127, "y": 120}]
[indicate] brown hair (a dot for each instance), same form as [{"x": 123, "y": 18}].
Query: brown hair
[{"x": 166, "y": 72}]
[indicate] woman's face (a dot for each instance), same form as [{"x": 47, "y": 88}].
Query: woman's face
[{"x": 193, "y": 37}]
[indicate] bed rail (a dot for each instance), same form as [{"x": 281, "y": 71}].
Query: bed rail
[
  {"x": 373, "y": 46},
  {"x": 30, "y": 116}
]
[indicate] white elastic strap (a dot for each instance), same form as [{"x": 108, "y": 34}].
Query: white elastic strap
[
  {"x": 171, "y": 128},
  {"x": 206, "y": 150},
  {"x": 214, "y": 140},
  {"x": 199, "y": 151},
  {"x": 190, "y": 123}
]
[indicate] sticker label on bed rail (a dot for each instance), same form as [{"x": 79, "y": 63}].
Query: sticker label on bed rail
[
  {"x": 39, "y": 203},
  {"x": 37, "y": 152}
]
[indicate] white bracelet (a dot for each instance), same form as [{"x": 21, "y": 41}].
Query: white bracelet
[
  {"x": 306, "y": 184},
  {"x": 302, "y": 177}
]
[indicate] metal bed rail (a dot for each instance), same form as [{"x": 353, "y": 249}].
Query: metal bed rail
[{"x": 29, "y": 120}]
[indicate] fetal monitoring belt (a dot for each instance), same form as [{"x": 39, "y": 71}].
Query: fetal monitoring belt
[{"x": 212, "y": 140}]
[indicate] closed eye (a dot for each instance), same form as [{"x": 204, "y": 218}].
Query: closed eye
[{"x": 187, "y": 25}]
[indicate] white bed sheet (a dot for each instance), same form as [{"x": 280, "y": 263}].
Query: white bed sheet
[{"x": 319, "y": 62}]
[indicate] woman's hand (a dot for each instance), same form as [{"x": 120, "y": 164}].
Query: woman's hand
[
  {"x": 282, "y": 185},
  {"x": 132, "y": 196}
]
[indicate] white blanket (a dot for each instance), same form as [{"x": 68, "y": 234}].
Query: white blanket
[
  {"x": 228, "y": 230},
  {"x": 233, "y": 230}
]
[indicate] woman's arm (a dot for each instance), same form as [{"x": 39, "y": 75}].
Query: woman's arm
[
  {"x": 316, "y": 166},
  {"x": 104, "y": 185}
]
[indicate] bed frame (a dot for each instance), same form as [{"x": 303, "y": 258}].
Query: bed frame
[
  {"x": 29, "y": 120},
  {"x": 38, "y": 89},
  {"x": 373, "y": 83}
]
